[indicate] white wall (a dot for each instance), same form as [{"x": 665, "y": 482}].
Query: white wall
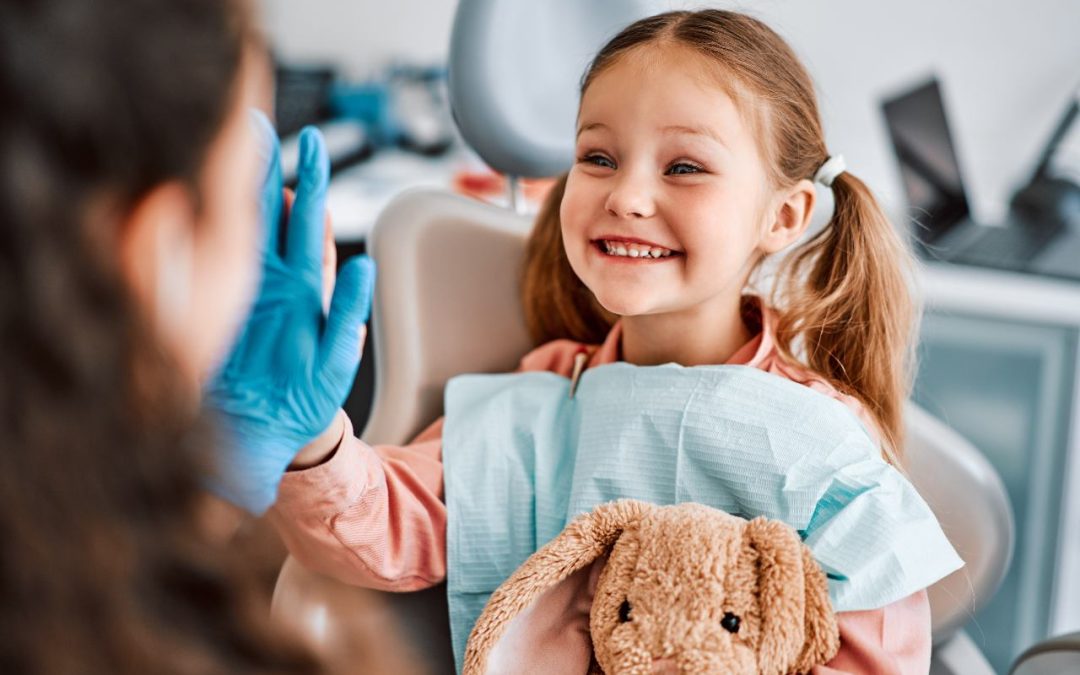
[
  {"x": 1007, "y": 67},
  {"x": 360, "y": 35}
]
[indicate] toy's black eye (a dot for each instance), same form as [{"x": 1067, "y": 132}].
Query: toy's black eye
[
  {"x": 624, "y": 611},
  {"x": 730, "y": 622}
]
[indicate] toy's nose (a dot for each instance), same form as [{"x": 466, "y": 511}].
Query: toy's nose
[{"x": 664, "y": 667}]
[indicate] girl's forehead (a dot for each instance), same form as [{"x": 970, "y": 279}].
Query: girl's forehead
[{"x": 672, "y": 84}]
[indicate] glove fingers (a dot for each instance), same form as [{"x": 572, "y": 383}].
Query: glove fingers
[
  {"x": 270, "y": 328},
  {"x": 304, "y": 239},
  {"x": 350, "y": 308}
]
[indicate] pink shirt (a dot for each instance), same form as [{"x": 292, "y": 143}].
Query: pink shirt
[{"x": 374, "y": 516}]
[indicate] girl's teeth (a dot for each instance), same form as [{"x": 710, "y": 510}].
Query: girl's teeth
[{"x": 635, "y": 252}]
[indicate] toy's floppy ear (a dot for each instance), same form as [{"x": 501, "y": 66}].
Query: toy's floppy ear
[
  {"x": 822, "y": 632},
  {"x": 523, "y": 626},
  {"x": 798, "y": 628}
]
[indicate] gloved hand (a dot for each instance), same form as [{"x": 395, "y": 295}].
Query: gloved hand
[{"x": 292, "y": 367}]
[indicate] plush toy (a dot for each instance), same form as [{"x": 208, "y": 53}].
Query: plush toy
[{"x": 673, "y": 589}]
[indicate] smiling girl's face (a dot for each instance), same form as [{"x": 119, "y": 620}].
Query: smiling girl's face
[{"x": 664, "y": 158}]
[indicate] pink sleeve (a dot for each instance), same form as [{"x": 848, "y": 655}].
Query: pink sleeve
[
  {"x": 893, "y": 640},
  {"x": 374, "y": 516},
  {"x": 369, "y": 516}
]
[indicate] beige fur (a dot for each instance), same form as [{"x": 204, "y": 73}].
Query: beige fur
[{"x": 681, "y": 568}]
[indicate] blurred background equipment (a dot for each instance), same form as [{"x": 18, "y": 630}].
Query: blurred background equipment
[
  {"x": 1042, "y": 231},
  {"x": 301, "y": 96},
  {"x": 1053, "y": 193}
]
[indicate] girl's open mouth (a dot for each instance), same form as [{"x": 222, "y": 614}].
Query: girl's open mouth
[{"x": 621, "y": 251}]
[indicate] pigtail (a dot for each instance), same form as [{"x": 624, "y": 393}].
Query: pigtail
[
  {"x": 849, "y": 309},
  {"x": 556, "y": 303}
]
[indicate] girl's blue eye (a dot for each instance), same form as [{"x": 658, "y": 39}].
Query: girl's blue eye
[
  {"x": 683, "y": 168},
  {"x": 599, "y": 160}
]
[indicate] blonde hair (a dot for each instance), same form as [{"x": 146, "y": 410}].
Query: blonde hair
[{"x": 843, "y": 298}]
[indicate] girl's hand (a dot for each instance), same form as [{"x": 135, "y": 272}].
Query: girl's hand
[{"x": 294, "y": 362}]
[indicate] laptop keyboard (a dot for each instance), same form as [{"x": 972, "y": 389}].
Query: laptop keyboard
[
  {"x": 1009, "y": 247},
  {"x": 1060, "y": 258}
]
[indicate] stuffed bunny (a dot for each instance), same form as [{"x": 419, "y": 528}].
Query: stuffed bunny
[{"x": 673, "y": 589}]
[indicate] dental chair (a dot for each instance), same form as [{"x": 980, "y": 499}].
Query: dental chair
[
  {"x": 1058, "y": 655},
  {"x": 446, "y": 303}
]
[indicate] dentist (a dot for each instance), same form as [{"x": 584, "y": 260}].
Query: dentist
[{"x": 133, "y": 253}]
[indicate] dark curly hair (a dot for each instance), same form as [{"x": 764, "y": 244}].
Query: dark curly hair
[{"x": 103, "y": 567}]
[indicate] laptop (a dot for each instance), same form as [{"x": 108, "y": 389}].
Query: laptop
[{"x": 938, "y": 205}]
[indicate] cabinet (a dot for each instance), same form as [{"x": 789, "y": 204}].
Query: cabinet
[{"x": 998, "y": 363}]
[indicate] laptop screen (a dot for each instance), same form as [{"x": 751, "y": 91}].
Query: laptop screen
[{"x": 928, "y": 165}]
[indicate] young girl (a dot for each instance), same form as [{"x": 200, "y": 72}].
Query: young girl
[{"x": 698, "y": 143}]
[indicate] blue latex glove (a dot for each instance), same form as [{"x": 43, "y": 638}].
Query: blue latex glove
[{"x": 292, "y": 367}]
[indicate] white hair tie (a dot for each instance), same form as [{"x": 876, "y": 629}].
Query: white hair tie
[{"x": 833, "y": 167}]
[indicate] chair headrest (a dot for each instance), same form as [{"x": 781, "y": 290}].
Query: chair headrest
[{"x": 514, "y": 73}]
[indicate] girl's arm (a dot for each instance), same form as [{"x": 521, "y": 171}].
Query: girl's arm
[
  {"x": 369, "y": 516},
  {"x": 893, "y": 640},
  {"x": 374, "y": 516}
]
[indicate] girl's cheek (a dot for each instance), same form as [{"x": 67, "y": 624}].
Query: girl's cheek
[
  {"x": 569, "y": 210},
  {"x": 583, "y": 193}
]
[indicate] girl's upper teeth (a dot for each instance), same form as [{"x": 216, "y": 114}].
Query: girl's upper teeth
[{"x": 623, "y": 248}]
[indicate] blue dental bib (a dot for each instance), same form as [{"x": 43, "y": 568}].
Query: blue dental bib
[{"x": 522, "y": 458}]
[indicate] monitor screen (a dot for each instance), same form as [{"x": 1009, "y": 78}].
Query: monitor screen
[{"x": 927, "y": 159}]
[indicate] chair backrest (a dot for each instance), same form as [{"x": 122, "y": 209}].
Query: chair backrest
[
  {"x": 1058, "y": 655},
  {"x": 447, "y": 302}
]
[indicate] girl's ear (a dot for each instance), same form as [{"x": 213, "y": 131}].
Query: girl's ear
[
  {"x": 520, "y": 598},
  {"x": 790, "y": 217}
]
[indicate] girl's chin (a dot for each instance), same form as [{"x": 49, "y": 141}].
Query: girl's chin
[{"x": 623, "y": 306}]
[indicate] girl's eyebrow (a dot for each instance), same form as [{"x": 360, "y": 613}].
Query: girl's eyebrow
[
  {"x": 590, "y": 127},
  {"x": 705, "y": 131},
  {"x": 708, "y": 132}
]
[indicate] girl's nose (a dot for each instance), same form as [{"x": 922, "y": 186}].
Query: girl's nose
[{"x": 630, "y": 198}]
